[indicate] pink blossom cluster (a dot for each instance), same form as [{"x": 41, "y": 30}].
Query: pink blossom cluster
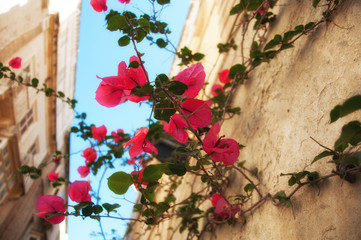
[
  {"x": 223, "y": 78},
  {"x": 101, "y": 5},
  {"x": 222, "y": 209},
  {"x": 78, "y": 191}
]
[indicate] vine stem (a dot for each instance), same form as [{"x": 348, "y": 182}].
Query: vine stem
[{"x": 249, "y": 180}]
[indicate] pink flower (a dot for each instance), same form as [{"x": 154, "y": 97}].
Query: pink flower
[
  {"x": 57, "y": 160},
  {"x": 99, "y": 5},
  {"x": 114, "y": 90},
  {"x": 83, "y": 171},
  {"x": 99, "y": 133},
  {"x": 262, "y": 9},
  {"x": 50, "y": 204},
  {"x": 216, "y": 89},
  {"x": 198, "y": 112},
  {"x": 138, "y": 179},
  {"x": 117, "y": 138},
  {"x": 218, "y": 149},
  {"x": 15, "y": 62},
  {"x": 124, "y": 1},
  {"x": 53, "y": 176},
  {"x": 90, "y": 155},
  {"x": 223, "y": 76},
  {"x": 79, "y": 191},
  {"x": 175, "y": 127},
  {"x": 140, "y": 143},
  {"x": 222, "y": 209},
  {"x": 193, "y": 77}
]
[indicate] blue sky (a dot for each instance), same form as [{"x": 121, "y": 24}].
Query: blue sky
[{"x": 99, "y": 54}]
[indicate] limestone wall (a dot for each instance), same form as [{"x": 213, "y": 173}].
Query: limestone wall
[{"x": 284, "y": 103}]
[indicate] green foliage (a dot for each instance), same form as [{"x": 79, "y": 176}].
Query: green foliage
[
  {"x": 119, "y": 182},
  {"x": 225, "y": 47},
  {"x": 350, "y": 134},
  {"x": 296, "y": 177},
  {"x": 322, "y": 155},
  {"x": 186, "y": 56},
  {"x": 145, "y": 90},
  {"x": 110, "y": 207},
  {"x": 161, "y": 43},
  {"x": 124, "y": 41},
  {"x": 349, "y": 106},
  {"x": 177, "y": 87},
  {"x": 152, "y": 173},
  {"x": 315, "y": 3},
  {"x": 237, "y": 69},
  {"x": 163, "y": 2},
  {"x": 164, "y": 109}
]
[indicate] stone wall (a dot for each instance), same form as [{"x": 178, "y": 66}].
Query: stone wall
[{"x": 284, "y": 103}]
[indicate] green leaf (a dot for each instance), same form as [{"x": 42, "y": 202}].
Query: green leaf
[
  {"x": 198, "y": 56},
  {"x": 119, "y": 182},
  {"x": 281, "y": 196},
  {"x": 299, "y": 29},
  {"x": 162, "y": 2},
  {"x": 161, "y": 43},
  {"x": 249, "y": 187},
  {"x": 124, "y": 41},
  {"x": 177, "y": 168},
  {"x": 140, "y": 35},
  {"x": 48, "y": 92},
  {"x": 292, "y": 181},
  {"x": 322, "y": 155},
  {"x": 152, "y": 173},
  {"x": 238, "y": 8},
  {"x": 134, "y": 64},
  {"x": 61, "y": 94},
  {"x": 315, "y": 3},
  {"x": 187, "y": 152},
  {"x": 309, "y": 25},
  {"x": 34, "y": 82},
  {"x": 177, "y": 87},
  {"x": 117, "y": 22},
  {"x": 161, "y": 80},
  {"x": 144, "y": 23},
  {"x": 87, "y": 211},
  {"x": 137, "y": 207},
  {"x": 313, "y": 176},
  {"x": 274, "y": 42},
  {"x": 97, "y": 209},
  {"x": 350, "y": 134},
  {"x": 110, "y": 207},
  {"x": 164, "y": 110},
  {"x": 145, "y": 90},
  {"x": 349, "y": 106},
  {"x": 288, "y": 36},
  {"x": 235, "y": 70},
  {"x": 149, "y": 193}
]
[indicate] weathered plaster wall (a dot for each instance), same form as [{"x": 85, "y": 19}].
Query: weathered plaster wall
[{"x": 284, "y": 103}]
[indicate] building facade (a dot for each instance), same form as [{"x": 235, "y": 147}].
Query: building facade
[
  {"x": 32, "y": 126},
  {"x": 283, "y": 103}
]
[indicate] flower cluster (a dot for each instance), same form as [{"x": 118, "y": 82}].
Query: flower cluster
[
  {"x": 114, "y": 90},
  {"x": 222, "y": 209}
]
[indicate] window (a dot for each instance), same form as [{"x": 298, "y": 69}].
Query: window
[
  {"x": 7, "y": 180},
  {"x": 26, "y": 121}
]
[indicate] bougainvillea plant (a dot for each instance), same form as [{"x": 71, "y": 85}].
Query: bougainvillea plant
[{"x": 186, "y": 119}]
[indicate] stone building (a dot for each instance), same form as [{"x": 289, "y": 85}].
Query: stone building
[
  {"x": 32, "y": 126},
  {"x": 283, "y": 104}
]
